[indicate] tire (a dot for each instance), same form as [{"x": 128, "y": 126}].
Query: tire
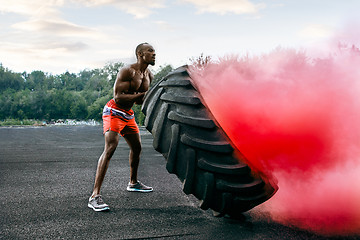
[{"x": 197, "y": 150}]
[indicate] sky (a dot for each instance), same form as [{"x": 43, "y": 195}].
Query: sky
[{"x": 56, "y": 36}]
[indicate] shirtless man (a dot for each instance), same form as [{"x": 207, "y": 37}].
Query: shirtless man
[{"x": 130, "y": 87}]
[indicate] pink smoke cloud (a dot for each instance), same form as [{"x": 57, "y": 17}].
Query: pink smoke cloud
[{"x": 296, "y": 119}]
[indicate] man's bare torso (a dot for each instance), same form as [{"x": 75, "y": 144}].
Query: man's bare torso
[
  {"x": 131, "y": 81},
  {"x": 139, "y": 82}
]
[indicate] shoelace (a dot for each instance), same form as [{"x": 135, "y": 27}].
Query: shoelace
[
  {"x": 99, "y": 200},
  {"x": 140, "y": 185}
]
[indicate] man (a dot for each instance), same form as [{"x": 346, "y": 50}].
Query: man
[{"x": 130, "y": 87}]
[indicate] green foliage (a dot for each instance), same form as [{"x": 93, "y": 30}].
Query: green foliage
[
  {"x": 164, "y": 70},
  {"x": 95, "y": 109},
  {"x": 139, "y": 116},
  {"x": 10, "y": 80},
  {"x": 17, "y": 122},
  {"x": 39, "y": 95}
]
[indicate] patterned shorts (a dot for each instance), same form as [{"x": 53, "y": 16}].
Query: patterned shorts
[{"x": 118, "y": 120}]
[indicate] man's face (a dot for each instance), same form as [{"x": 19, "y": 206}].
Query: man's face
[{"x": 148, "y": 54}]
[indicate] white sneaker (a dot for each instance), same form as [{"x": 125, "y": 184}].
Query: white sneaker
[
  {"x": 98, "y": 204},
  {"x": 138, "y": 187}
]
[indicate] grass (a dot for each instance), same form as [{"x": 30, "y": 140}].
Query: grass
[{"x": 17, "y": 122}]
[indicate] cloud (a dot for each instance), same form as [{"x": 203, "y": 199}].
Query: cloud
[
  {"x": 40, "y": 46},
  {"x": 38, "y": 8},
  {"x": 138, "y": 8},
  {"x": 223, "y": 7},
  {"x": 316, "y": 31},
  {"x": 55, "y": 36},
  {"x": 163, "y": 25},
  {"x": 58, "y": 27},
  {"x": 44, "y": 54},
  {"x": 43, "y": 39},
  {"x": 65, "y": 46},
  {"x": 41, "y": 9}
]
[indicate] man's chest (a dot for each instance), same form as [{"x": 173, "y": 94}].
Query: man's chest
[{"x": 140, "y": 83}]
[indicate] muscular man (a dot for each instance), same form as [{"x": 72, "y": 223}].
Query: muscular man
[{"x": 131, "y": 84}]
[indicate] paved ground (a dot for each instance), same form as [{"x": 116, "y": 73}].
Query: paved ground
[{"x": 46, "y": 176}]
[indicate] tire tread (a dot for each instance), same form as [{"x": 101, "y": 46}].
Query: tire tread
[{"x": 197, "y": 150}]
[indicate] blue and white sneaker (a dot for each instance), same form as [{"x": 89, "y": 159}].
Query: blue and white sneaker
[
  {"x": 98, "y": 204},
  {"x": 138, "y": 187}
]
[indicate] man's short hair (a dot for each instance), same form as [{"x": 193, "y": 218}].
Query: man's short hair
[{"x": 138, "y": 48}]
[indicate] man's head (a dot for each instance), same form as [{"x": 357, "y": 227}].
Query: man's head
[{"x": 145, "y": 53}]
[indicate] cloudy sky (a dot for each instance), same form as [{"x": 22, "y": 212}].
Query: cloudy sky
[{"x": 70, "y": 35}]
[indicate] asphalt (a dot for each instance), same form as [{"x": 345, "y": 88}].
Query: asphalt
[{"x": 47, "y": 174}]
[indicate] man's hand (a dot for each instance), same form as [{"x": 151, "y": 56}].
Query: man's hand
[{"x": 141, "y": 100}]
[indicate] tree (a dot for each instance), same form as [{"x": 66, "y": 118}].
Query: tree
[
  {"x": 78, "y": 107},
  {"x": 111, "y": 70},
  {"x": 68, "y": 80},
  {"x": 95, "y": 109},
  {"x": 10, "y": 80},
  {"x": 39, "y": 95},
  {"x": 6, "y": 101},
  {"x": 139, "y": 115},
  {"x": 164, "y": 70},
  {"x": 36, "y": 80}
]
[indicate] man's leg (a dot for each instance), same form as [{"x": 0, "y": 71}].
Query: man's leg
[
  {"x": 134, "y": 143},
  {"x": 95, "y": 201},
  {"x": 111, "y": 142}
]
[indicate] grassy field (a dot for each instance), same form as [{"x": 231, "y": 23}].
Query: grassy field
[{"x": 17, "y": 122}]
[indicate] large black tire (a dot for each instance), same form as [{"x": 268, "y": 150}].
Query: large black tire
[{"x": 197, "y": 150}]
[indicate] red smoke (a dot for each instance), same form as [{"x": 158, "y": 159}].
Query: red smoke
[{"x": 297, "y": 119}]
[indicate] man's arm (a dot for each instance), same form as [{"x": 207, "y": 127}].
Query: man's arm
[{"x": 122, "y": 87}]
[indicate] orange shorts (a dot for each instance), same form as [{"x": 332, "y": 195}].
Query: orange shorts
[{"x": 118, "y": 120}]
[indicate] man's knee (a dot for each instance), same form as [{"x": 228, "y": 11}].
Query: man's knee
[
  {"x": 137, "y": 150},
  {"x": 108, "y": 151},
  {"x": 111, "y": 142},
  {"x": 134, "y": 143},
  {"x": 110, "y": 148}
]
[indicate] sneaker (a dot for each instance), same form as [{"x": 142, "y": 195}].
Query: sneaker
[
  {"x": 97, "y": 203},
  {"x": 138, "y": 187}
]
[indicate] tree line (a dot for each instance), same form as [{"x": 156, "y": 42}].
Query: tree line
[{"x": 43, "y": 96}]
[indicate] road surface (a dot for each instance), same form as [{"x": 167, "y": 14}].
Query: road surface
[{"x": 46, "y": 177}]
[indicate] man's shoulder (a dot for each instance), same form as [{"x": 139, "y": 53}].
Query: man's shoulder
[
  {"x": 127, "y": 68},
  {"x": 126, "y": 72}
]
